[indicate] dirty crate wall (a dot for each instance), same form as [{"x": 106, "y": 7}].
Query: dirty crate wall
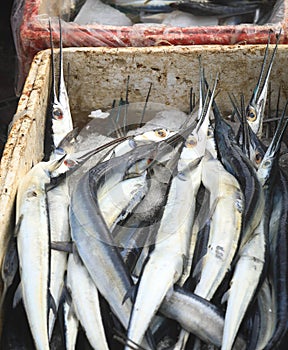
[
  {"x": 97, "y": 75},
  {"x": 30, "y": 25}
]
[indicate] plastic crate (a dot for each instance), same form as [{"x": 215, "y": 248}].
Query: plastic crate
[{"x": 30, "y": 23}]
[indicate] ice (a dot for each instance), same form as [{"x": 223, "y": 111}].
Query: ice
[
  {"x": 95, "y": 12},
  {"x": 183, "y": 19}
]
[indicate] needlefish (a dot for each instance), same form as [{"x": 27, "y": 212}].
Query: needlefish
[
  {"x": 165, "y": 263},
  {"x": 33, "y": 248},
  {"x": 253, "y": 254},
  {"x": 85, "y": 233}
]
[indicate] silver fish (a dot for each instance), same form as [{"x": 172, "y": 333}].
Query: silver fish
[
  {"x": 85, "y": 303},
  {"x": 165, "y": 263},
  {"x": 33, "y": 248}
]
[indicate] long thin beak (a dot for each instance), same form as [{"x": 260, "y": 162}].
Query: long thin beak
[
  {"x": 83, "y": 156},
  {"x": 255, "y": 109},
  {"x": 246, "y": 133},
  {"x": 275, "y": 144},
  {"x": 61, "y": 71},
  {"x": 204, "y": 117},
  {"x": 54, "y": 96},
  {"x": 55, "y": 164},
  {"x": 260, "y": 102},
  {"x": 244, "y": 130},
  {"x": 257, "y": 87}
]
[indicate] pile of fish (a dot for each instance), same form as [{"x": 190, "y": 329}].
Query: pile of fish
[
  {"x": 173, "y": 12},
  {"x": 158, "y": 237}
]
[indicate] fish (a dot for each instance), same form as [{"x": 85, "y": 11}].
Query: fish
[
  {"x": 85, "y": 301},
  {"x": 256, "y": 106},
  {"x": 104, "y": 243},
  {"x": 279, "y": 255},
  {"x": 250, "y": 264},
  {"x": 10, "y": 266},
  {"x": 33, "y": 248},
  {"x": 122, "y": 199},
  {"x": 71, "y": 325},
  {"x": 181, "y": 304},
  {"x": 165, "y": 263},
  {"x": 253, "y": 255},
  {"x": 279, "y": 267},
  {"x": 61, "y": 118},
  {"x": 236, "y": 162},
  {"x": 151, "y": 6},
  {"x": 267, "y": 314},
  {"x": 58, "y": 199},
  {"x": 141, "y": 226},
  {"x": 210, "y": 8},
  {"x": 225, "y": 226}
]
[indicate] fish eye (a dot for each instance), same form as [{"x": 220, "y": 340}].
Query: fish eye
[
  {"x": 70, "y": 163},
  {"x": 57, "y": 113},
  {"x": 209, "y": 133},
  {"x": 258, "y": 158},
  {"x": 251, "y": 114},
  {"x": 267, "y": 163},
  {"x": 161, "y": 133},
  {"x": 191, "y": 142}
]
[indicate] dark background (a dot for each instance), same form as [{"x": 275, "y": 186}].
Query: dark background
[{"x": 8, "y": 100}]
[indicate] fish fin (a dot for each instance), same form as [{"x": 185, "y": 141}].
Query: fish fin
[
  {"x": 52, "y": 304},
  {"x": 17, "y": 296},
  {"x": 225, "y": 297},
  {"x": 130, "y": 294},
  {"x": 62, "y": 246}
]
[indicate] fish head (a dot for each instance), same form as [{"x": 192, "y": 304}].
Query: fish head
[
  {"x": 270, "y": 159},
  {"x": 155, "y": 135},
  {"x": 256, "y": 106},
  {"x": 256, "y": 149}
]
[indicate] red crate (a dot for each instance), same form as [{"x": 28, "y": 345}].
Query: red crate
[{"x": 32, "y": 34}]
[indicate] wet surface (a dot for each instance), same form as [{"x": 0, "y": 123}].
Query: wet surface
[{"x": 8, "y": 100}]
